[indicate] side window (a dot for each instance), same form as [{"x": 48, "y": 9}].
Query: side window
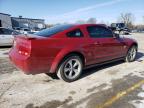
[
  {"x": 99, "y": 32},
  {"x": 106, "y": 33},
  {"x": 94, "y": 31},
  {"x": 7, "y": 31},
  {"x": 75, "y": 33}
]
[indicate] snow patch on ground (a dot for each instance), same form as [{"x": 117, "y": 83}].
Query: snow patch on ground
[{"x": 139, "y": 103}]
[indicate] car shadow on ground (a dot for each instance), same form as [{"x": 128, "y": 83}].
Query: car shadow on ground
[
  {"x": 92, "y": 70},
  {"x": 139, "y": 55},
  {"x": 95, "y": 69}
]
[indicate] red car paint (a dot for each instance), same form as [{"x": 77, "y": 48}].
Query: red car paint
[{"x": 36, "y": 54}]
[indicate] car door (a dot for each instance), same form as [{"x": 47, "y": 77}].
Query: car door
[{"x": 105, "y": 46}]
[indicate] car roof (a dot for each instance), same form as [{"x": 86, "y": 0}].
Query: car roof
[{"x": 80, "y": 25}]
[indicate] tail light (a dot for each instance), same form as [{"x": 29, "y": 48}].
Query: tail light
[
  {"x": 23, "y": 53},
  {"x": 23, "y": 45}
]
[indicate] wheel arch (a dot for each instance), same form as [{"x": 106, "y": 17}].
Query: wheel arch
[
  {"x": 78, "y": 54},
  {"x": 134, "y": 44},
  {"x": 58, "y": 60}
]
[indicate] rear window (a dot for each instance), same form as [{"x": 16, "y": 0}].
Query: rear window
[{"x": 53, "y": 30}]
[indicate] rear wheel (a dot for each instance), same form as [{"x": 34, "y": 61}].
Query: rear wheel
[
  {"x": 131, "y": 55},
  {"x": 70, "y": 69}
]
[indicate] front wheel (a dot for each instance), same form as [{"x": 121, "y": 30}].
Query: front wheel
[
  {"x": 131, "y": 54},
  {"x": 70, "y": 69}
]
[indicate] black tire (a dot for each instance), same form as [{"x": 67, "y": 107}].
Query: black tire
[
  {"x": 60, "y": 72},
  {"x": 127, "y": 58}
]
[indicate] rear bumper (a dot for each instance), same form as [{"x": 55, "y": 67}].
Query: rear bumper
[{"x": 29, "y": 64}]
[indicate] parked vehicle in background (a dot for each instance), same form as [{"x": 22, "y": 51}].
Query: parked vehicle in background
[
  {"x": 31, "y": 32},
  {"x": 6, "y": 36},
  {"x": 120, "y": 28},
  {"x": 17, "y": 29},
  {"x": 65, "y": 50},
  {"x": 25, "y": 30}
]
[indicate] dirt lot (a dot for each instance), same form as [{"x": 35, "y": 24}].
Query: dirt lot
[{"x": 116, "y": 85}]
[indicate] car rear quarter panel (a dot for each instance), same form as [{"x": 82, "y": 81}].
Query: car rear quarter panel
[{"x": 51, "y": 51}]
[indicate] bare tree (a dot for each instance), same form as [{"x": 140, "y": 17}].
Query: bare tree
[
  {"x": 127, "y": 18},
  {"x": 91, "y": 21}
]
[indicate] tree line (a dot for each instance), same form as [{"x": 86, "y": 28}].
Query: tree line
[{"x": 127, "y": 18}]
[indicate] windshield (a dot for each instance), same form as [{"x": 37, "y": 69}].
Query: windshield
[{"x": 53, "y": 30}]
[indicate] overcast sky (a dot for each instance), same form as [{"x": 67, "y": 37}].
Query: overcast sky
[{"x": 59, "y": 11}]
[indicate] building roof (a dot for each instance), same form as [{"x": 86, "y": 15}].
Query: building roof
[
  {"x": 5, "y": 14},
  {"x": 27, "y": 18}
]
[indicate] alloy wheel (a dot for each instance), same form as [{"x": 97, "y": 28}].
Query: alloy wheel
[
  {"x": 132, "y": 54},
  {"x": 72, "y": 68}
]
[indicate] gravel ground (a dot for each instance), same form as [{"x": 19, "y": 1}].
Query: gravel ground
[{"x": 97, "y": 86}]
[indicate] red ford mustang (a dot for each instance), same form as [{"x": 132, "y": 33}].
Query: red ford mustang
[{"x": 66, "y": 50}]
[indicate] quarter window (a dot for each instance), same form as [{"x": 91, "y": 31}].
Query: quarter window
[
  {"x": 99, "y": 32},
  {"x": 75, "y": 33}
]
